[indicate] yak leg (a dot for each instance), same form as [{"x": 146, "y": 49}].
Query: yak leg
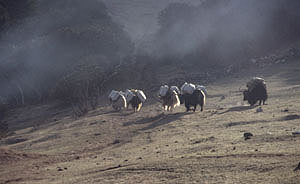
[
  {"x": 127, "y": 107},
  {"x": 165, "y": 108},
  {"x": 133, "y": 107},
  {"x": 259, "y": 102},
  {"x": 187, "y": 108},
  {"x": 195, "y": 107},
  {"x": 171, "y": 108}
]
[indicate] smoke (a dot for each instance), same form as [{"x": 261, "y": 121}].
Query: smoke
[
  {"x": 139, "y": 16},
  {"x": 56, "y": 36},
  {"x": 225, "y": 31}
]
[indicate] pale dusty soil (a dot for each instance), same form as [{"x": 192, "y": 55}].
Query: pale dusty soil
[{"x": 48, "y": 145}]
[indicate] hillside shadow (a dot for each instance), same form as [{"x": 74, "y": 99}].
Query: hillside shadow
[
  {"x": 238, "y": 109},
  {"x": 125, "y": 112},
  {"x": 289, "y": 117},
  {"x": 241, "y": 123},
  {"x": 155, "y": 121}
]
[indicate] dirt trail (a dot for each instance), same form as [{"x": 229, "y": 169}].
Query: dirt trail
[{"x": 48, "y": 145}]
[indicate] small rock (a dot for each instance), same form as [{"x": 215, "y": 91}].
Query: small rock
[
  {"x": 285, "y": 110},
  {"x": 77, "y": 158},
  {"x": 259, "y": 109},
  {"x": 59, "y": 169},
  {"x": 117, "y": 141},
  {"x": 247, "y": 135},
  {"x": 93, "y": 123},
  {"x": 140, "y": 158},
  {"x": 233, "y": 148},
  {"x": 296, "y": 133},
  {"x": 65, "y": 168}
]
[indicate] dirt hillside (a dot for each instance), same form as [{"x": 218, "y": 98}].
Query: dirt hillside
[{"x": 47, "y": 144}]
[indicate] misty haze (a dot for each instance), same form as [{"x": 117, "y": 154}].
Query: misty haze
[{"x": 149, "y": 91}]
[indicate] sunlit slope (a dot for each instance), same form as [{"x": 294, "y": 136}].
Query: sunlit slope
[{"x": 49, "y": 145}]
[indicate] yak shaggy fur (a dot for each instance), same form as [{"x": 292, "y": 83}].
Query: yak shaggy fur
[
  {"x": 197, "y": 97},
  {"x": 258, "y": 93},
  {"x": 170, "y": 100}
]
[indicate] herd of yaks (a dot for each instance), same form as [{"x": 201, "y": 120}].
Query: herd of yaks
[{"x": 189, "y": 94}]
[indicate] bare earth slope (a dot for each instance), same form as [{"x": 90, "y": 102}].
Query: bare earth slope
[{"x": 48, "y": 145}]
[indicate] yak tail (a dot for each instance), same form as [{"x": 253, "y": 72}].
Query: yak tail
[
  {"x": 177, "y": 101},
  {"x": 139, "y": 107},
  {"x": 204, "y": 97}
]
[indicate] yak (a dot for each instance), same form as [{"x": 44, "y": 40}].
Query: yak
[
  {"x": 197, "y": 97},
  {"x": 135, "y": 100},
  {"x": 136, "y": 103},
  {"x": 119, "y": 103},
  {"x": 170, "y": 100},
  {"x": 258, "y": 92}
]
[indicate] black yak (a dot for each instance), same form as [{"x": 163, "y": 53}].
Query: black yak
[
  {"x": 257, "y": 91},
  {"x": 135, "y": 98},
  {"x": 197, "y": 97},
  {"x": 136, "y": 103}
]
